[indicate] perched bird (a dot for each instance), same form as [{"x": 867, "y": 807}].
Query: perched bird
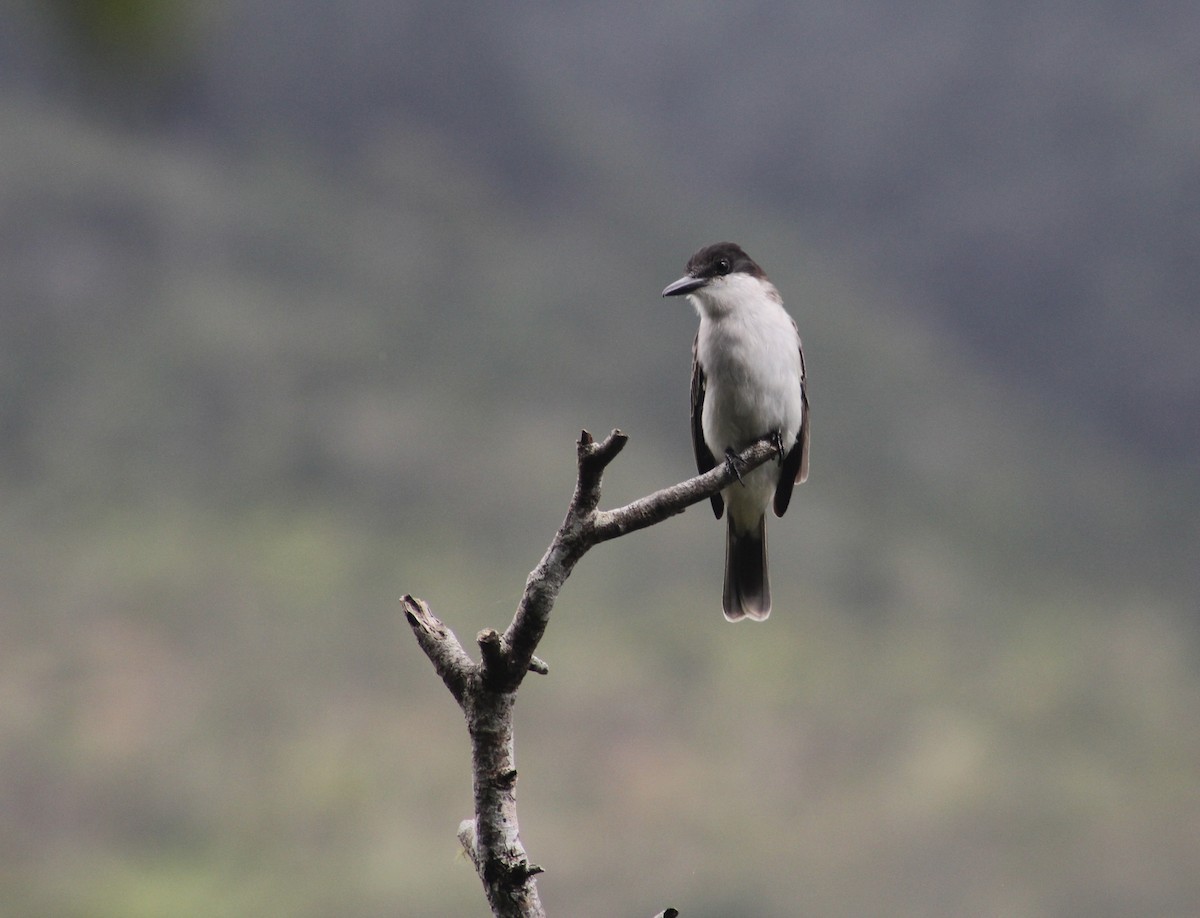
[{"x": 747, "y": 383}]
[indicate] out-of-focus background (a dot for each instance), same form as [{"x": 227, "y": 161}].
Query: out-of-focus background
[{"x": 302, "y": 307}]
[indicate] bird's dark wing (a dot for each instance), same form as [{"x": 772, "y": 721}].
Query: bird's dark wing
[
  {"x": 795, "y": 464},
  {"x": 704, "y": 456}
]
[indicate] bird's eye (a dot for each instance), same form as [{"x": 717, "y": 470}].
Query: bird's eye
[{"x": 723, "y": 266}]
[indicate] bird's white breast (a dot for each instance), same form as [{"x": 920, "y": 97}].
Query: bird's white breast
[{"x": 750, "y": 353}]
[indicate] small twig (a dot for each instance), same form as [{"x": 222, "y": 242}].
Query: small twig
[
  {"x": 487, "y": 690},
  {"x": 440, "y": 645}
]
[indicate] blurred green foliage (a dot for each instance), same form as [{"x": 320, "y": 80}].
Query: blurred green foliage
[{"x": 112, "y": 31}]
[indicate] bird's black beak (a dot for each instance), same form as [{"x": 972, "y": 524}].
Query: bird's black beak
[{"x": 685, "y": 284}]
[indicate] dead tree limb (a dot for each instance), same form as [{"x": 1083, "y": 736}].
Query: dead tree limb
[{"x": 486, "y": 691}]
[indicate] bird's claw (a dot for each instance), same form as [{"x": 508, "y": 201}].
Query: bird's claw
[
  {"x": 777, "y": 439},
  {"x": 734, "y": 462}
]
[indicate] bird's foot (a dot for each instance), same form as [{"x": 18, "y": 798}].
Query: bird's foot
[
  {"x": 735, "y": 464},
  {"x": 777, "y": 439}
]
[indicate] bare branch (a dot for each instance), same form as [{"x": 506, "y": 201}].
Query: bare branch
[
  {"x": 668, "y": 502},
  {"x": 585, "y": 526},
  {"x": 440, "y": 645},
  {"x": 573, "y": 539},
  {"x": 487, "y": 691}
]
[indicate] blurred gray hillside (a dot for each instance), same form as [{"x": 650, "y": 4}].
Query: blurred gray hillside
[{"x": 302, "y": 307}]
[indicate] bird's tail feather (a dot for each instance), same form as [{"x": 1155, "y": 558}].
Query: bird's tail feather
[{"x": 747, "y": 589}]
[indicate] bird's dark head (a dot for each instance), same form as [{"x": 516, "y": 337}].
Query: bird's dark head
[{"x": 712, "y": 263}]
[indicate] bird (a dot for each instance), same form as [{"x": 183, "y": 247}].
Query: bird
[{"x": 748, "y": 382}]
